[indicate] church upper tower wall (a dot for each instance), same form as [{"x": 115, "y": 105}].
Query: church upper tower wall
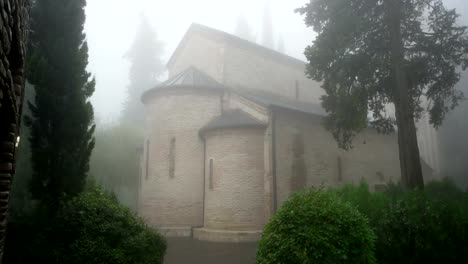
[{"x": 238, "y": 63}]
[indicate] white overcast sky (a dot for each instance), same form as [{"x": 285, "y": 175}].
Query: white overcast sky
[{"x": 111, "y": 25}]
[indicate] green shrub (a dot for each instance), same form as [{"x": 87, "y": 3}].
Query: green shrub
[
  {"x": 429, "y": 226},
  {"x": 316, "y": 226},
  {"x": 90, "y": 228},
  {"x": 372, "y": 205}
]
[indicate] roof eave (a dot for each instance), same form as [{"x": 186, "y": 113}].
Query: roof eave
[
  {"x": 147, "y": 94},
  {"x": 203, "y": 131}
]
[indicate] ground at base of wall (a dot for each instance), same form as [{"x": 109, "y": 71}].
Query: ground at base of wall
[
  {"x": 175, "y": 231},
  {"x": 206, "y": 234},
  {"x": 187, "y": 250}
]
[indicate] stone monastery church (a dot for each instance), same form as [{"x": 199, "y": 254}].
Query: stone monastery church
[{"x": 235, "y": 130}]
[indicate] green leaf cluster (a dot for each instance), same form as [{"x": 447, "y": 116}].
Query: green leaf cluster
[
  {"x": 316, "y": 226},
  {"x": 61, "y": 119},
  {"x": 90, "y": 228},
  {"x": 429, "y": 226},
  {"x": 351, "y": 57}
]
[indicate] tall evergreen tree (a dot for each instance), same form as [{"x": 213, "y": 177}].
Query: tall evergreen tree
[
  {"x": 267, "y": 28},
  {"x": 146, "y": 66},
  {"x": 372, "y": 53},
  {"x": 61, "y": 118},
  {"x": 243, "y": 29}
]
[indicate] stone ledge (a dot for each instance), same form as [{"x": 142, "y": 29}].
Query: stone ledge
[
  {"x": 214, "y": 235},
  {"x": 185, "y": 231}
]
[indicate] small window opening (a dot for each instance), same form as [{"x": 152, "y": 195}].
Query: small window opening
[
  {"x": 172, "y": 158},
  {"x": 297, "y": 90},
  {"x": 147, "y": 159},
  {"x": 340, "y": 169},
  {"x": 210, "y": 171}
]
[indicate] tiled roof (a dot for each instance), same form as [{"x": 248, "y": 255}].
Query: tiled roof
[
  {"x": 191, "y": 77},
  {"x": 268, "y": 100},
  {"x": 232, "y": 119}
]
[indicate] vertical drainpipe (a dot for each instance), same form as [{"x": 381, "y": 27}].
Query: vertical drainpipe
[
  {"x": 204, "y": 179},
  {"x": 273, "y": 150}
]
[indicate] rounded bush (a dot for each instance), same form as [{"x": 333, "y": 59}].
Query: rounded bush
[
  {"x": 316, "y": 226},
  {"x": 89, "y": 228},
  {"x": 94, "y": 228}
]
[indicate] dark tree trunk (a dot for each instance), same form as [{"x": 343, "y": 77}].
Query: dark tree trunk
[
  {"x": 410, "y": 163},
  {"x": 13, "y": 22}
]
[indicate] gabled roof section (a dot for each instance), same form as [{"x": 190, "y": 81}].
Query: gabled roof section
[
  {"x": 191, "y": 77},
  {"x": 232, "y": 119},
  {"x": 234, "y": 40},
  {"x": 267, "y": 99}
]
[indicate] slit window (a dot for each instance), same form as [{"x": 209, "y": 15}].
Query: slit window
[
  {"x": 172, "y": 158},
  {"x": 210, "y": 173},
  {"x": 297, "y": 90},
  {"x": 147, "y": 159}
]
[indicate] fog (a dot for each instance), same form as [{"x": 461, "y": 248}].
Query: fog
[
  {"x": 243, "y": 155},
  {"x": 111, "y": 26}
]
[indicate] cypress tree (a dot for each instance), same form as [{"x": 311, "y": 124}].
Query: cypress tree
[{"x": 61, "y": 119}]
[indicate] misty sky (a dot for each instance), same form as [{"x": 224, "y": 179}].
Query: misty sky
[{"x": 111, "y": 26}]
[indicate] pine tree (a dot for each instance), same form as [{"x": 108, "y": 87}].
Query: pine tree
[
  {"x": 61, "y": 118},
  {"x": 372, "y": 53},
  {"x": 146, "y": 66},
  {"x": 243, "y": 29}
]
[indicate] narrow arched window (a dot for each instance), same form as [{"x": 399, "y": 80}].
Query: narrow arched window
[
  {"x": 147, "y": 159},
  {"x": 297, "y": 90},
  {"x": 172, "y": 158},
  {"x": 340, "y": 169},
  {"x": 210, "y": 173}
]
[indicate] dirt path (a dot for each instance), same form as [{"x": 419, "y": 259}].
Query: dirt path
[{"x": 186, "y": 250}]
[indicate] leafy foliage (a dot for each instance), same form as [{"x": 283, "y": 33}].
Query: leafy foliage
[
  {"x": 429, "y": 226},
  {"x": 61, "y": 114},
  {"x": 90, "y": 228},
  {"x": 316, "y": 227},
  {"x": 351, "y": 56}
]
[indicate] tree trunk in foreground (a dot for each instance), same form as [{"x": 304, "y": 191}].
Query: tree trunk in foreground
[
  {"x": 13, "y": 31},
  {"x": 410, "y": 163}
]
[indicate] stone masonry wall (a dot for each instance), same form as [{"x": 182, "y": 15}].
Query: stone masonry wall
[
  {"x": 247, "y": 68},
  {"x": 320, "y": 162},
  {"x": 203, "y": 53},
  {"x": 243, "y": 67},
  {"x": 234, "y": 196},
  {"x": 174, "y": 118},
  {"x": 234, "y": 101}
]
